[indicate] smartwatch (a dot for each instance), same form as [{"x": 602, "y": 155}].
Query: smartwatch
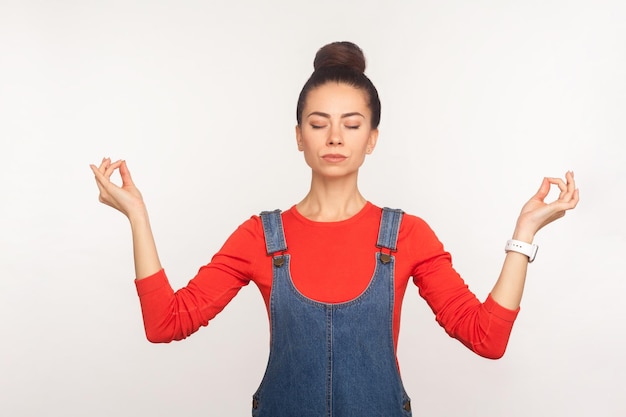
[{"x": 527, "y": 249}]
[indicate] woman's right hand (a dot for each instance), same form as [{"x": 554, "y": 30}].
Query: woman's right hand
[{"x": 127, "y": 198}]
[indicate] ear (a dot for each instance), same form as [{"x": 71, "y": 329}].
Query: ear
[
  {"x": 299, "y": 137},
  {"x": 371, "y": 142}
]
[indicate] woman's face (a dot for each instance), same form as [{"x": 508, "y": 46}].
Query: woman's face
[{"x": 336, "y": 133}]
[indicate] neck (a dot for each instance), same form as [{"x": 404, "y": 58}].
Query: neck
[{"x": 331, "y": 199}]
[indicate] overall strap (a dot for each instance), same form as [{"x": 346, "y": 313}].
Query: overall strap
[
  {"x": 273, "y": 231},
  {"x": 389, "y": 228}
]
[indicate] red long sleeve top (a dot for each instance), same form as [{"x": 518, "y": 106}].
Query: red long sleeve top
[{"x": 331, "y": 262}]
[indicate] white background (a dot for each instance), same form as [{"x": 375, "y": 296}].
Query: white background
[{"x": 481, "y": 99}]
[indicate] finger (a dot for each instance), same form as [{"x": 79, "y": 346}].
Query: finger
[
  {"x": 106, "y": 162},
  {"x": 111, "y": 168},
  {"x": 575, "y": 199},
  {"x": 571, "y": 187},
  {"x": 125, "y": 174},
  {"x": 99, "y": 182},
  {"x": 100, "y": 174},
  {"x": 109, "y": 192},
  {"x": 577, "y": 195},
  {"x": 103, "y": 181},
  {"x": 97, "y": 171},
  {"x": 567, "y": 194},
  {"x": 102, "y": 166},
  {"x": 566, "y": 204},
  {"x": 571, "y": 183},
  {"x": 558, "y": 182},
  {"x": 561, "y": 184},
  {"x": 543, "y": 191}
]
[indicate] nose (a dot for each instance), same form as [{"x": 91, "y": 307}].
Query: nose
[{"x": 334, "y": 136}]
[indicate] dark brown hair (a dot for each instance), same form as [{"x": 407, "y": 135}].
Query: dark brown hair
[{"x": 341, "y": 62}]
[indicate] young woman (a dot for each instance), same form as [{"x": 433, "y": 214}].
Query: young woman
[{"x": 333, "y": 269}]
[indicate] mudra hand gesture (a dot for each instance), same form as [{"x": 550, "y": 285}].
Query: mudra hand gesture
[
  {"x": 125, "y": 198},
  {"x": 536, "y": 213}
]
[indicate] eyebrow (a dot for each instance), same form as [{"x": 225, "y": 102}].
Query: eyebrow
[{"x": 326, "y": 115}]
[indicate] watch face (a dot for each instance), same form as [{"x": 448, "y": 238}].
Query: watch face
[{"x": 533, "y": 254}]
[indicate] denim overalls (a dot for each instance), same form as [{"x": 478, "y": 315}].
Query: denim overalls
[{"x": 331, "y": 360}]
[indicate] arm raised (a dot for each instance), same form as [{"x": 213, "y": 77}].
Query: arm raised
[
  {"x": 535, "y": 214},
  {"x": 128, "y": 200}
]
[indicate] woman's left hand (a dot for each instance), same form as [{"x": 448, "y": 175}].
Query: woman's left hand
[{"x": 536, "y": 213}]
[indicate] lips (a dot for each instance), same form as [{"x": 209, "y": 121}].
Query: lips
[{"x": 334, "y": 157}]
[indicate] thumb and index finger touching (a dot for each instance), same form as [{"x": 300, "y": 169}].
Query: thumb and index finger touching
[
  {"x": 103, "y": 173},
  {"x": 568, "y": 193},
  {"x": 105, "y": 170}
]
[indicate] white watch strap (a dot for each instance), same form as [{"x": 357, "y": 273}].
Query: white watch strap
[{"x": 527, "y": 249}]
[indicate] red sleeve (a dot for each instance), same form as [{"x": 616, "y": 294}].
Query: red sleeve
[
  {"x": 170, "y": 315},
  {"x": 482, "y": 327}
]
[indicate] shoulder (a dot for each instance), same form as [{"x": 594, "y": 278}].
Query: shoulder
[
  {"x": 412, "y": 227},
  {"x": 416, "y": 233},
  {"x": 252, "y": 228},
  {"x": 415, "y": 224},
  {"x": 248, "y": 235},
  {"x": 410, "y": 223}
]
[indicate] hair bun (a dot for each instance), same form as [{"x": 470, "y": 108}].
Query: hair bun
[{"x": 340, "y": 54}]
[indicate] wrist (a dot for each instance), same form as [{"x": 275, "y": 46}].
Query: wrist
[
  {"x": 523, "y": 234},
  {"x": 528, "y": 249},
  {"x": 138, "y": 218}
]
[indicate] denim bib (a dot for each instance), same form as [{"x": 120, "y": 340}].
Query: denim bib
[{"x": 331, "y": 359}]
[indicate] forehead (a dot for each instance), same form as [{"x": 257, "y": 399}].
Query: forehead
[{"x": 337, "y": 98}]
